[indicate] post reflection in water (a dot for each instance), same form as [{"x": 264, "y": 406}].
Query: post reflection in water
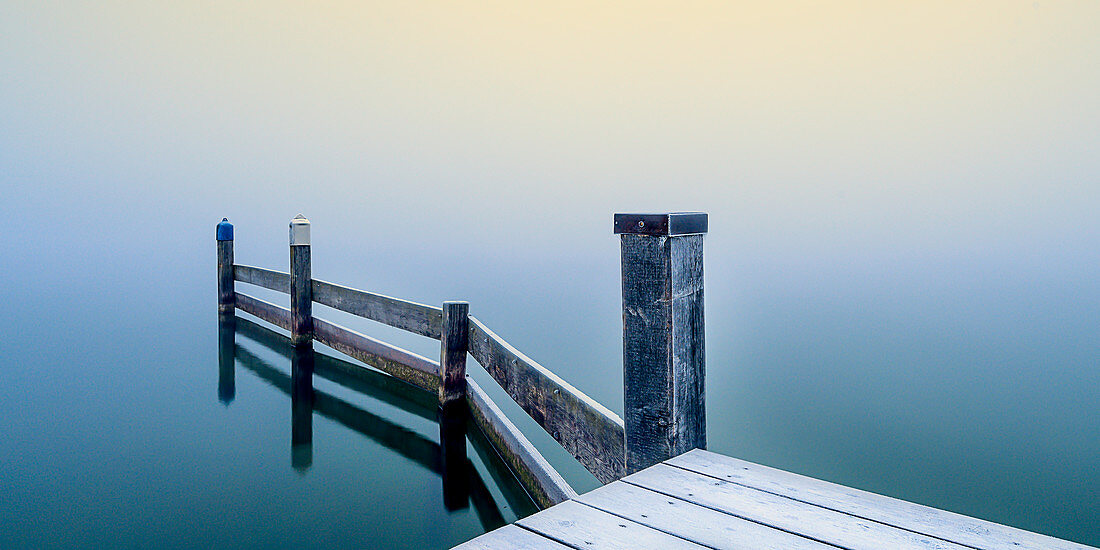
[
  {"x": 301, "y": 407},
  {"x": 227, "y": 386},
  {"x": 462, "y": 484},
  {"x": 452, "y": 443}
]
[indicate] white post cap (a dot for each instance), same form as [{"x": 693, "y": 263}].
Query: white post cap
[{"x": 299, "y": 231}]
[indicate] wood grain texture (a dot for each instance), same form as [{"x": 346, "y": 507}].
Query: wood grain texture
[
  {"x": 582, "y": 526},
  {"x": 454, "y": 343},
  {"x": 301, "y": 295},
  {"x": 225, "y": 276},
  {"x": 689, "y": 411},
  {"x": 269, "y": 279},
  {"x": 782, "y": 513},
  {"x": 663, "y": 349},
  {"x": 542, "y": 482},
  {"x": 585, "y": 428},
  {"x": 691, "y": 521},
  {"x": 929, "y": 521},
  {"x": 511, "y": 536},
  {"x": 406, "y": 365},
  {"x": 266, "y": 311},
  {"x": 411, "y": 316}
]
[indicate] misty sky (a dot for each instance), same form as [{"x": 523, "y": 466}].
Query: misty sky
[{"x": 848, "y": 126}]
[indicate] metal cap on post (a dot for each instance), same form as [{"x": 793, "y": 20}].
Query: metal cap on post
[
  {"x": 299, "y": 231},
  {"x": 225, "y": 230},
  {"x": 226, "y": 297},
  {"x": 664, "y": 359},
  {"x": 301, "y": 290}
]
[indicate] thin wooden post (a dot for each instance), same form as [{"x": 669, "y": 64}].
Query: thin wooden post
[
  {"x": 301, "y": 293},
  {"x": 664, "y": 360},
  {"x": 226, "y": 296},
  {"x": 454, "y": 343}
]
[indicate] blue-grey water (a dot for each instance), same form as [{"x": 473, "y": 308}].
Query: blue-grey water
[
  {"x": 901, "y": 269},
  {"x": 965, "y": 383}
]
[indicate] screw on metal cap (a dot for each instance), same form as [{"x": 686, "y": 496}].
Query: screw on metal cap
[
  {"x": 225, "y": 230},
  {"x": 299, "y": 231}
]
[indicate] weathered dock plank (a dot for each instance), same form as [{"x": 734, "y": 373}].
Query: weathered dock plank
[
  {"x": 691, "y": 521},
  {"x": 782, "y": 513},
  {"x": 582, "y": 526},
  {"x": 513, "y": 537},
  {"x": 704, "y": 500},
  {"x": 926, "y": 520}
]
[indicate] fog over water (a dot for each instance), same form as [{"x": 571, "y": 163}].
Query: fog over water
[{"x": 901, "y": 268}]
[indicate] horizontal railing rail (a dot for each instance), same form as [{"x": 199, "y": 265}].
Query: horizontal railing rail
[
  {"x": 406, "y": 365},
  {"x": 267, "y": 311},
  {"x": 403, "y": 314},
  {"x": 267, "y": 278}
]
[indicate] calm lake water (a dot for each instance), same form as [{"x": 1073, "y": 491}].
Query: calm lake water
[{"x": 125, "y": 426}]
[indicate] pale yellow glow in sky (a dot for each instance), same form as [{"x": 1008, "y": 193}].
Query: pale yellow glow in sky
[{"x": 946, "y": 119}]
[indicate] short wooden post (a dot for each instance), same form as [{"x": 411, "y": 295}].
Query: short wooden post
[
  {"x": 301, "y": 292},
  {"x": 226, "y": 297},
  {"x": 664, "y": 361},
  {"x": 454, "y": 344}
]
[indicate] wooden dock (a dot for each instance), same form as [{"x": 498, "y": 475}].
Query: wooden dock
[{"x": 705, "y": 500}]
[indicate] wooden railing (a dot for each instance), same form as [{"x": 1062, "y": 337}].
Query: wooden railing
[{"x": 663, "y": 352}]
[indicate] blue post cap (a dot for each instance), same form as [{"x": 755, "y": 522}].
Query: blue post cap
[{"x": 225, "y": 230}]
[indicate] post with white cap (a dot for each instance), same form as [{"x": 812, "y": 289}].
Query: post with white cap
[
  {"x": 664, "y": 360},
  {"x": 301, "y": 292},
  {"x": 226, "y": 297}
]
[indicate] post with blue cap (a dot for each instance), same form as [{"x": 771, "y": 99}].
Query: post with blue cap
[
  {"x": 226, "y": 297},
  {"x": 664, "y": 360},
  {"x": 301, "y": 291}
]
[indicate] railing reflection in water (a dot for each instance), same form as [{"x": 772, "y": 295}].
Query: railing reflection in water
[{"x": 462, "y": 483}]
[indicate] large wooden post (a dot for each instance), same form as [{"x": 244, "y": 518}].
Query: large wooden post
[
  {"x": 664, "y": 360},
  {"x": 454, "y": 344},
  {"x": 226, "y": 297},
  {"x": 301, "y": 292}
]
